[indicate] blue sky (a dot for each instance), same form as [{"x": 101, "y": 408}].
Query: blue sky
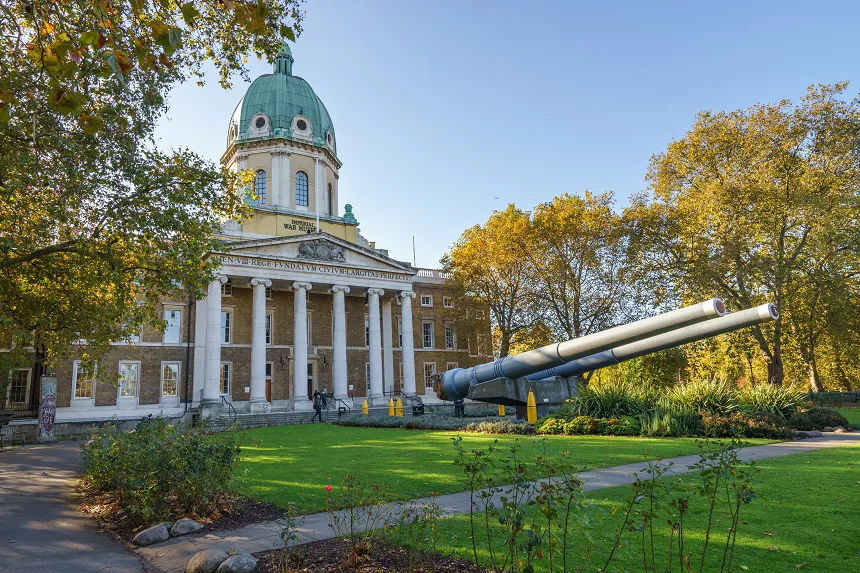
[{"x": 445, "y": 111}]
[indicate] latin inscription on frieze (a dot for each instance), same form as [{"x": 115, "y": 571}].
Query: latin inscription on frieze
[{"x": 310, "y": 267}]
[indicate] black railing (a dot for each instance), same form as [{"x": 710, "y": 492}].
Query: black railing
[
  {"x": 342, "y": 407},
  {"x": 233, "y": 413}
]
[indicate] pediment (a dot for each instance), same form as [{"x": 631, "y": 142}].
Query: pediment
[{"x": 319, "y": 248}]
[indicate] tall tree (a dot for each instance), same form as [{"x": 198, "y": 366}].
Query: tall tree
[
  {"x": 96, "y": 224},
  {"x": 486, "y": 264},
  {"x": 743, "y": 204}
]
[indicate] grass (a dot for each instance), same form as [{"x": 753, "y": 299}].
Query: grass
[
  {"x": 853, "y": 415},
  {"x": 293, "y": 464},
  {"x": 806, "y": 517}
]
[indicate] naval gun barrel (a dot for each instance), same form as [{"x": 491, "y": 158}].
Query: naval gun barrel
[
  {"x": 456, "y": 382},
  {"x": 734, "y": 321}
]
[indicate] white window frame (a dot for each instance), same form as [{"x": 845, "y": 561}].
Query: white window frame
[
  {"x": 428, "y": 380},
  {"x": 399, "y": 327},
  {"x": 367, "y": 331},
  {"x": 268, "y": 293},
  {"x": 226, "y": 334},
  {"x": 451, "y": 365},
  {"x": 76, "y": 367},
  {"x": 447, "y": 302},
  {"x": 308, "y": 324},
  {"x": 178, "y": 365},
  {"x": 169, "y": 329},
  {"x": 449, "y": 327},
  {"x": 229, "y": 366},
  {"x": 129, "y": 398},
  {"x": 12, "y": 374},
  {"x": 367, "y": 376},
  {"x": 270, "y": 328},
  {"x": 427, "y": 300},
  {"x": 226, "y": 289},
  {"x": 432, "y": 326}
]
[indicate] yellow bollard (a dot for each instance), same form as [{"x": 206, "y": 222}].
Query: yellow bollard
[
  {"x": 531, "y": 408},
  {"x": 391, "y": 406},
  {"x": 501, "y": 410},
  {"x": 364, "y": 407},
  {"x": 398, "y": 409}
]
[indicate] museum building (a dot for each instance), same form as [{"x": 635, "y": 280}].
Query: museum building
[{"x": 302, "y": 301}]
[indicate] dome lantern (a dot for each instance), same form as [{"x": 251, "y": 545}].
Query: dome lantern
[{"x": 284, "y": 60}]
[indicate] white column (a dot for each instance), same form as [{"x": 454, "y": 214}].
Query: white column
[
  {"x": 258, "y": 342},
  {"x": 375, "y": 360},
  {"x": 285, "y": 192},
  {"x": 387, "y": 347},
  {"x": 319, "y": 183},
  {"x": 300, "y": 340},
  {"x": 338, "y": 305},
  {"x": 406, "y": 297},
  {"x": 200, "y": 318},
  {"x": 212, "y": 368},
  {"x": 274, "y": 178}
]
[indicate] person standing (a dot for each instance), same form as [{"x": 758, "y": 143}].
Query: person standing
[
  {"x": 317, "y": 406},
  {"x": 324, "y": 397}
]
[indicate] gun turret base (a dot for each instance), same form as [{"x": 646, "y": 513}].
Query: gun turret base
[{"x": 510, "y": 392}]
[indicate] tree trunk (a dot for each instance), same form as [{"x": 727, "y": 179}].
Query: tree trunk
[
  {"x": 815, "y": 384},
  {"x": 505, "y": 344},
  {"x": 775, "y": 369}
]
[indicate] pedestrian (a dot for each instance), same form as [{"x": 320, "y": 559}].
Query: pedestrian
[
  {"x": 317, "y": 406},
  {"x": 324, "y": 397}
]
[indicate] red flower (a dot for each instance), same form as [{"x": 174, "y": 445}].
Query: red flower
[{"x": 328, "y": 488}]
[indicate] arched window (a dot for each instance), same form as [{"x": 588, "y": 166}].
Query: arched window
[
  {"x": 301, "y": 188},
  {"x": 260, "y": 187},
  {"x": 330, "y": 201}
]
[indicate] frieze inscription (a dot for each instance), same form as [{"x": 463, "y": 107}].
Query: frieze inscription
[{"x": 310, "y": 267}]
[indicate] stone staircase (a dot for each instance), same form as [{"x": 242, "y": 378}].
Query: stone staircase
[{"x": 280, "y": 417}]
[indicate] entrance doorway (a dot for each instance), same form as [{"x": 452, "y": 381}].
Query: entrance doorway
[
  {"x": 269, "y": 382},
  {"x": 311, "y": 380}
]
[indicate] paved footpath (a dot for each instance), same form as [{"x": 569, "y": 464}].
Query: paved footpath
[
  {"x": 40, "y": 527},
  {"x": 171, "y": 556}
]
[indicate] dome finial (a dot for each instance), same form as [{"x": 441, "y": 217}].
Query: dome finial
[{"x": 284, "y": 60}]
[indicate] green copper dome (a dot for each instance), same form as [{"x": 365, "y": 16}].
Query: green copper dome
[{"x": 281, "y": 105}]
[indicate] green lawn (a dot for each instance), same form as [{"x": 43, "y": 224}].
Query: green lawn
[
  {"x": 806, "y": 517},
  {"x": 293, "y": 464},
  {"x": 853, "y": 415}
]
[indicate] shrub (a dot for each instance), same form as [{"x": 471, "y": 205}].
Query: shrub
[
  {"x": 612, "y": 400},
  {"x": 161, "y": 470},
  {"x": 704, "y": 395},
  {"x": 500, "y": 426},
  {"x": 770, "y": 398},
  {"x": 667, "y": 419},
  {"x": 550, "y": 426},
  {"x": 834, "y": 398},
  {"x": 747, "y": 424},
  {"x": 435, "y": 422},
  {"x": 581, "y": 425},
  {"x": 371, "y": 421},
  {"x": 816, "y": 419}
]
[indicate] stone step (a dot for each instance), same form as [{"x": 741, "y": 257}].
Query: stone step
[{"x": 284, "y": 418}]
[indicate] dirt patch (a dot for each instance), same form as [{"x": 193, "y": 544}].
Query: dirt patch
[
  {"x": 232, "y": 513},
  {"x": 329, "y": 557}
]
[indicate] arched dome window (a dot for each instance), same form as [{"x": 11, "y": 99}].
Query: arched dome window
[
  {"x": 330, "y": 201},
  {"x": 260, "y": 187},
  {"x": 301, "y": 189}
]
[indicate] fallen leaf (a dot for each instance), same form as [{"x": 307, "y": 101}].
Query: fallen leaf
[
  {"x": 744, "y": 567},
  {"x": 767, "y": 533},
  {"x": 773, "y": 548}
]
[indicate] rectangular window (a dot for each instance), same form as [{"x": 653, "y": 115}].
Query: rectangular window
[
  {"x": 426, "y": 300},
  {"x": 225, "y": 378},
  {"x": 451, "y": 365},
  {"x": 309, "y": 329},
  {"x": 169, "y": 378},
  {"x": 226, "y": 326},
  {"x": 269, "y": 293},
  {"x": 135, "y": 337},
  {"x": 427, "y": 334},
  {"x": 83, "y": 380},
  {"x": 366, "y": 331},
  {"x": 19, "y": 386},
  {"x": 367, "y": 374},
  {"x": 129, "y": 377},
  {"x": 269, "y": 318},
  {"x": 399, "y": 333},
  {"x": 226, "y": 289},
  {"x": 401, "y": 376},
  {"x": 447, "y": 302},
  {"x": 429, "y": 371},
  {"x": 450, "y": 337},
  {"x": 174, "y": 320}
]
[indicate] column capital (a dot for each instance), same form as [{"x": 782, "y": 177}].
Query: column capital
[
  {"x": 220, "y": 278},
  {"x": 300, "y": 285},
  {"x": 375, "y": 291},
  {"x": 406, "y": 293},
  {"x": 257, "y": 281},
  {"x": 338, "y": 288}
]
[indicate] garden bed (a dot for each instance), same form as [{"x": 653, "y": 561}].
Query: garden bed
[{"x": 327, "y": 557}]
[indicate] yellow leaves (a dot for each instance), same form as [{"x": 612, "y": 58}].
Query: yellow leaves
[{"x": 47, "y": 28}]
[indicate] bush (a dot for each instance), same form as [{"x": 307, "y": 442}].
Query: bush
[
  {"x": 816, "y": 419},
  {"x": 550, "y": 426},
  {"x": 435, "y": 422},
  {"x": 777, "y": 400},
  {"x": 371, "y": 421},
  {"x": 704, "y": 395},
  {"x": 612, "y": 400},
  {"x": 747, "y": 424},
  {"x": 500, "y": 426},
  {"x": 667, "y": 419},
  {"x": 160, "y": 470},
  {"x": 834, "y": 398},
  {"x": 581, "y": 425}
]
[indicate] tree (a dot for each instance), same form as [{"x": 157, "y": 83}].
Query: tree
[
  {"x": 97, "y": 225},
  {"x": 486, "y": 265},
  {"x": 747, "y": 203}
]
